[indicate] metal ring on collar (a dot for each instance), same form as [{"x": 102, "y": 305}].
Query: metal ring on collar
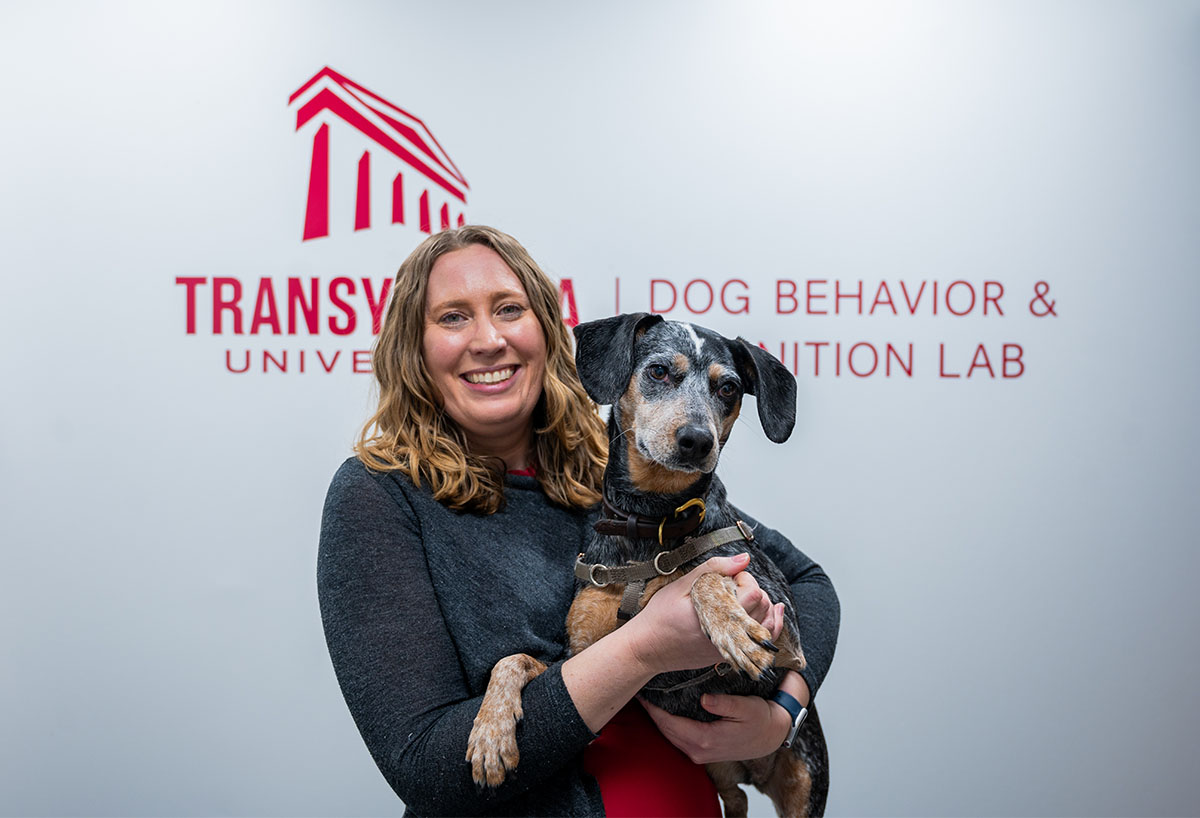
[
  {"x": 592, "y": 575},
  {"x": 659, "y": 568}
]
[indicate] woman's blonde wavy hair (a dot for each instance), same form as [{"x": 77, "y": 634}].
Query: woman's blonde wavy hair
[{"x": 410, "y": 432}]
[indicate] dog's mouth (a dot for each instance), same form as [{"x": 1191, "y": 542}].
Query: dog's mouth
[{"x": 678, "y": 461}]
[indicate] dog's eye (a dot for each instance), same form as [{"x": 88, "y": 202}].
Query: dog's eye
[
  {"x": 728, "y": 390},
  {"x": 658, "y": 372}
]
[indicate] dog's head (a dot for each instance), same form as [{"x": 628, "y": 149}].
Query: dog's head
[{"x": 679, "y": 387}]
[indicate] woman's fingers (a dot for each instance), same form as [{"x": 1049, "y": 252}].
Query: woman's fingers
[
  {"x": 752, "y": 598},
  {"x": 774, "y": 621},
  {"x": 749, "y": 727},
  {"x": 722, "y": 565}
]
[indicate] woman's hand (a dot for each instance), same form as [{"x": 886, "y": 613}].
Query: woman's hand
[
  {"x": 749, "y": 727},
  {"x": 667, "y": 634}
]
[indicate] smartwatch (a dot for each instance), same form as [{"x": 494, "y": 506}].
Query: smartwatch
[{"x": 796, "y": 710}]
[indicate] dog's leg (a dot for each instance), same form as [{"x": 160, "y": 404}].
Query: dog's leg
[
  {"x": 492, "y": 746},
  {"x": 744, "y": 643},
  {"x": 593, "y": 614},
  {"x": 726, "y": 775},
  {"x": 789, "y": 785}
]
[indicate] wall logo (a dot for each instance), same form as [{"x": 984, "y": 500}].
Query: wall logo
[
  {"x": 420, "y": 177},
  {"x": 372, "y": 163}
]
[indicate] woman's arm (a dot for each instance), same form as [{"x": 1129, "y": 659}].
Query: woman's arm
[
  {"x": 751, "y": 726},
  {"x": 398, "y": 666},
  {"x": 665, "y": 636}
]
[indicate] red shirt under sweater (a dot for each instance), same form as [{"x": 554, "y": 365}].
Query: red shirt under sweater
[{"x": 642, "y": 775}]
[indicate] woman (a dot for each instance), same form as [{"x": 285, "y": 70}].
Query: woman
[{"x": 448, "y": 543}]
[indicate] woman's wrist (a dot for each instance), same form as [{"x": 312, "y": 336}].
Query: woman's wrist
[
  {"x": 638, "y": 642},
  {"x": 604, "y": 677},
  {"x": 781, "y": 722},
  {"x": 793, "y": 683}
]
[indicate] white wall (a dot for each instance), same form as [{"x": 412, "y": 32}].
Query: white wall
[{"x": 1016, "y": 557}]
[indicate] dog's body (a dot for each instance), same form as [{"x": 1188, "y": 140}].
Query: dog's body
[{"x": 675, "y": 392}]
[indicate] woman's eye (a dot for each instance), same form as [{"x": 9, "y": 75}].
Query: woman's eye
[
  {"x": 727, "y": 390},
  {"x": 658, "y": 372},
  {"x": 452, "y": 318},
  {"x": 512, "y": 310}
]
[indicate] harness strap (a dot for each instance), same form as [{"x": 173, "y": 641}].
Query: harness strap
[
  {"x": 635, "y": 574},
  {"x": 719, "y": 669},
  {"x": 629, "y": 599}
]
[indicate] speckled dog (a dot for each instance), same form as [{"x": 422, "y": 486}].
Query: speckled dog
[{"x": 675, "y": 391}]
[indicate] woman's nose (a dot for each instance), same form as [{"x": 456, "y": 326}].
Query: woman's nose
[{"x": 488, "y": 339}]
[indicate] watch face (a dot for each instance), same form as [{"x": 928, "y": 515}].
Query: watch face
[{"x": 799, "y": 720}]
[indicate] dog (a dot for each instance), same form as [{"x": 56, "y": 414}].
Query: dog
[{"x": 675, "y": 391}]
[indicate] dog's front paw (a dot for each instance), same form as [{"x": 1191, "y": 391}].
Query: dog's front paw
[
  {"x": 743, "y": 642},
  {"x": 492, "y": 745}
]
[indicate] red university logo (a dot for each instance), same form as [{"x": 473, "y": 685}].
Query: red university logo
[
  {"x": 428, "y": 168},
  {"x": 429, "y": 181},
  {"x": 428, "y": 185}
]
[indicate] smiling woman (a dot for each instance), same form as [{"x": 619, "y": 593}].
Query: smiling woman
[
  {"x": 485, "y": 351},
  {"x": 467, "y": 305},
  {"x": 449, "y": 543}
]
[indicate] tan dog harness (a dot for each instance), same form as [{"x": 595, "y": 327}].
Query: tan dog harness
[{"x": 635, "y": 574}]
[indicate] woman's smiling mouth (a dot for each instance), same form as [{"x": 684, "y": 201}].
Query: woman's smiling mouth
[{"x": 495, "y": 376}]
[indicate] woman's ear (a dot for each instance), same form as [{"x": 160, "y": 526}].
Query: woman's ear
[
  {"x": 604, "y": 353},
  {"x": 771, "y": 384}
]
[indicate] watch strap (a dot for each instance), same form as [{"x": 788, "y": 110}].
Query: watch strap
[{"x": 796, "y": 710}]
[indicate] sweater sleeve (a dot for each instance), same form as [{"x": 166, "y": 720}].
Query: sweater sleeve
[
  {"x": 818, "y": 611},
  {"x": 398, "y": 666}
]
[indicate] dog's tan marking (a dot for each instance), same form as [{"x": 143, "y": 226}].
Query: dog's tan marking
[
  {"x": 715, "y": 373},
  {"x": 782, "y": 776},
  {"x": 593, "y": 614},
  {"x": 736, "y": 635},
  {"x": 492, "y": 745},
  {"x": 789, "y": 784},
  {"x": 727, "y": 423},
  {"x": 681, "y": 364},
  {"x": 652, "y": 478},
  {"x": 726, "y": 775}
]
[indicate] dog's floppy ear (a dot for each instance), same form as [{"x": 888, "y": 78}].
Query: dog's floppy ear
[
  {"x": 604, "y": 353},
  {"x": 770, "y": 382}
]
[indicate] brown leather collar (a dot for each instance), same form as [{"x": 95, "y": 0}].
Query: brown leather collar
[{"x": 683, "y": 521}]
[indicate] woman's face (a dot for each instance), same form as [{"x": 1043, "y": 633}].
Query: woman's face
[{"x": 484, "y": 348}]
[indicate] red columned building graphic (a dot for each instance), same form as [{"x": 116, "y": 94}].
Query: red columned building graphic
[{"x": 429, "y": 182}]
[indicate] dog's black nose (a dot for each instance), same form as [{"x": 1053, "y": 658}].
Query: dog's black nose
[{"x": 694, "y": 442}]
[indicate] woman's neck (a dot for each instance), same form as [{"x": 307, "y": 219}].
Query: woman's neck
[{"x": 513, "y": 448}]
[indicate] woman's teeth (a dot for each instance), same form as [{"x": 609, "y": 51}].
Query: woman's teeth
[{"x": 490, "y": 377}]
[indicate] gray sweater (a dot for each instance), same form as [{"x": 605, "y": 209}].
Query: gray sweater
[{"x": 419, "y": 602}]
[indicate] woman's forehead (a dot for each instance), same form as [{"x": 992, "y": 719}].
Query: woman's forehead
[{"x": 470, "y": 274}]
